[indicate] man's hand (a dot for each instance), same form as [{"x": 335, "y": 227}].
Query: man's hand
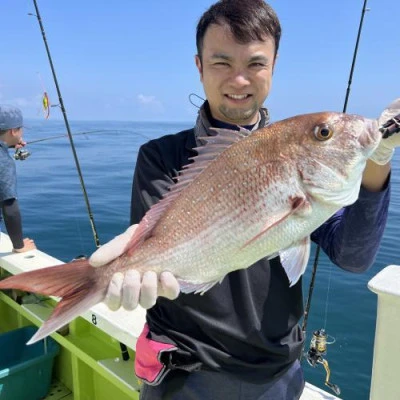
[
  {"x": 384, "y": 152},
  {"x": 20, "y": 144},
  {"x": 29, "y": 244},
  {"x": 130, "y": 288}
]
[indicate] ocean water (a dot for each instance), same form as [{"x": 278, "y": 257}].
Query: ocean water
[{"x": 55, "y": 216}]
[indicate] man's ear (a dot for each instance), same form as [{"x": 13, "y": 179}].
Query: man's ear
[
  {"x": 199, "y": 66},
  {"x": 14, "y": 132}
]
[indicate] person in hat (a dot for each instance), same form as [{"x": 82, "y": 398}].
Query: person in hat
[{"x": 11, "y": 131}]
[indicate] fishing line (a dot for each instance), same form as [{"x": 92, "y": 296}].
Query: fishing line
[
  {"x": 22, "y": 154},
  {"x": 62, "y": 136},
  {"x": 61, "y": 103},
  {"x": 327, "y": 295}
]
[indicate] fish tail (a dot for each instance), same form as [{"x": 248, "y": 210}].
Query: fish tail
[{"x": 76, "y": 283}]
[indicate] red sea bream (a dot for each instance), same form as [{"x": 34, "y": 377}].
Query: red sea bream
[{"x": 243, "y": 198}]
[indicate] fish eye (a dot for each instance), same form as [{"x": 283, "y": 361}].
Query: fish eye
[{"x": 323, "y": 132}]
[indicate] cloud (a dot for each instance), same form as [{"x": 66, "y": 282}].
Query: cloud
[
  {"x": 150, "y": 104},
  {"x": 31, "y": 106},
  {"x": 21, "y": 102},
  {"x": 147, "y": 99}
]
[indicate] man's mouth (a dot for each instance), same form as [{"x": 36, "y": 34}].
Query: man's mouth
[{"x": 238, "y": 96}]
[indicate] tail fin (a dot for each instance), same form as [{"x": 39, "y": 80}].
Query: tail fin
[{"x": 75, "y": 282}]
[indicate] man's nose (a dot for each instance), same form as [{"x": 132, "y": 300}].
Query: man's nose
[{"x": 240, "y": 77}]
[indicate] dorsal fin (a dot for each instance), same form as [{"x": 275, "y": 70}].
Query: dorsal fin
[{"x": 214, "y": 146}]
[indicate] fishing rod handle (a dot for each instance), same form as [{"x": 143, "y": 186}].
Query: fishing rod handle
[{"x": 390, "y": 127}]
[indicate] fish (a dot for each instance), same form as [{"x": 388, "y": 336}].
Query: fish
[{"x": 245, "y": 196}]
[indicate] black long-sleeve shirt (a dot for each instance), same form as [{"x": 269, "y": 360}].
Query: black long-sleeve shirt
[{"x": 248, "y": 324}]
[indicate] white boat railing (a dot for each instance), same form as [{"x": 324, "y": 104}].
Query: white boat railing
[{"x": 385, "y": 382}]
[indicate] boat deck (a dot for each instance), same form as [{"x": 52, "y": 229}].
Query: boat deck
[
  {"x": 90, "y": 363},
  {"x": 59, "y": 392}
]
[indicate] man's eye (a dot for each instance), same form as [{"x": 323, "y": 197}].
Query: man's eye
[{"x": 257, "y": 65}]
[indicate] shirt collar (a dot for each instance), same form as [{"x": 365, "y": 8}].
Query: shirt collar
[{"x": 205, "y": 122}]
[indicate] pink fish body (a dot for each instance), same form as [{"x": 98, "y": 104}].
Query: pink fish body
[{"x": 244, "y": 198}]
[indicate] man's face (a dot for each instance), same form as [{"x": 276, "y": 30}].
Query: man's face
[
  {"x": 16, "y": 136},
  {"x": 236, "y": 77}
]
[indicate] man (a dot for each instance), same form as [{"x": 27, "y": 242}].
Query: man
[
  {"x": 241, "y": 339},
  {"x": 11, "y": 131}
]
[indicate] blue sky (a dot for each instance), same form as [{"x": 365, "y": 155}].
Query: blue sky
[{"x": 134, "y": 60}]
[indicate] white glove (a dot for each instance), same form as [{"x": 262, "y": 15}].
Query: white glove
[
  {"x": 385, "y": 150},
  {"x": 130, "y": 288}
]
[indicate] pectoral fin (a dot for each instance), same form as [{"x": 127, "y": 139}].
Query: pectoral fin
[
  {"x": 295, "y": 259},
  {"x": 297, "y": 205}
]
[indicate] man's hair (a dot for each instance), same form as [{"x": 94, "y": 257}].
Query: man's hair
[{"x": 248, "y": 20}]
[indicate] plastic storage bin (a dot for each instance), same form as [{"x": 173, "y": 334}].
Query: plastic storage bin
[{"x": 25, "y": 371}]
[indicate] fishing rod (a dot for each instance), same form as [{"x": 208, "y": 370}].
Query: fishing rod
[
  {"x": 22, "y": 154},
  {"x": 124, "y": 350},
  {"x": 61, "y": 104},
  {"x": 86, "y": 133},
  {"x": 319, "y": 339},
  {"x": 63, "y": 135}
]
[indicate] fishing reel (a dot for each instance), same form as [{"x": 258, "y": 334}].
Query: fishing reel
[
  {"x": 21, "y": 154},
  {"x": 318, "y": 348}
]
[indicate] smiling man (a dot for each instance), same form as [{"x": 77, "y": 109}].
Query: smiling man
[
  {"x": 236, "y": 77},
  {"x": 240, "y": 339}
]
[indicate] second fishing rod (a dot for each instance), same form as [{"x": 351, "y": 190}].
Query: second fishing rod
[
  {"x": 61, "y": 104},
  {"x": 320, "y": 339}
]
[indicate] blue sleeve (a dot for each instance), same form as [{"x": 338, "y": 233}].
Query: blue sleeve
[
  {"x": 8, "y": 179},
  {"x": 351, "y": 238}
]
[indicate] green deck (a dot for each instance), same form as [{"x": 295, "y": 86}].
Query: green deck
[{"x": 89, "y": 364}]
